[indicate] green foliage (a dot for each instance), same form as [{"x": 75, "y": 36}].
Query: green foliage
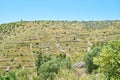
[
  {"x": 109, "y": 60},
  {"x": 16, "y": 75},
  {"x": 22, "y": 75},
  {"x": 35, "y": 78},
  {"x": 40, "y": 59},
  {"x": 50, "y": 69},
  {"x": 10, "y": 76},
  {"x": 88, "y": 58},
  {"x": 4, "y": 78}
]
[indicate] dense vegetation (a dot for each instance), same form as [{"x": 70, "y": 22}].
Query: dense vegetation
[
  {"x": 50, "y": 69},
  {"x": 109, "y": 60},
  {"x": 46, "y": 50}
]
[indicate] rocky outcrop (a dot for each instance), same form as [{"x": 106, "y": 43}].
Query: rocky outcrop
[{"x": 79, "y": 65}]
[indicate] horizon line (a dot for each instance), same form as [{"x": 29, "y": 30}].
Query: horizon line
[{"x": 56, "y": 20}]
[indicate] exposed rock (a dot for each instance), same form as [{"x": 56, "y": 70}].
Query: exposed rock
[
  {"x": 7, "y": 69},
  {"x": 79, "y": 65}
]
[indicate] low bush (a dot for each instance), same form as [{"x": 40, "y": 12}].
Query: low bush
[
  {"x": 88, "y": 58},
  {"x": 16, "y": 75},
  {"x": 50, "y": 69},
  {"x": 40, "y": 59}
]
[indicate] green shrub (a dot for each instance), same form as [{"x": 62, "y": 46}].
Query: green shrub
[
  {"x": 4, "y": 78},
  {"x": 16, "y": 75},
  {"x": 88, "y": 58},
  {"x": 10, "y": 76},
  {"x": 22, "y": 74},
  {"x": 109, "y": 60},
  {"x": 40, "y": 59},
  {"x": 50, "y": 69}
]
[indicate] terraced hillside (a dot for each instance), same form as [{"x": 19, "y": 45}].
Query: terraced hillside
[{"x": 19, "y": 40}]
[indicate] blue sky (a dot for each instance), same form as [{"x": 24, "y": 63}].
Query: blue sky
[{"x": 16, "y": 10}]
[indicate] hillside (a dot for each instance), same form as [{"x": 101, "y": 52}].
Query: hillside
[{"x": 19, "y": 40}]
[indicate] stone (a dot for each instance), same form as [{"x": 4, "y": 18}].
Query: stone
[{"x": 79, "y": 65}]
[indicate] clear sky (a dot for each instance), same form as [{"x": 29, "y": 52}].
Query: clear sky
[{"x": 16, "y": 10}]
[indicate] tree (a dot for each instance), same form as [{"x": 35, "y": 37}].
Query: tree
[{"x": 109, "y": 60}]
